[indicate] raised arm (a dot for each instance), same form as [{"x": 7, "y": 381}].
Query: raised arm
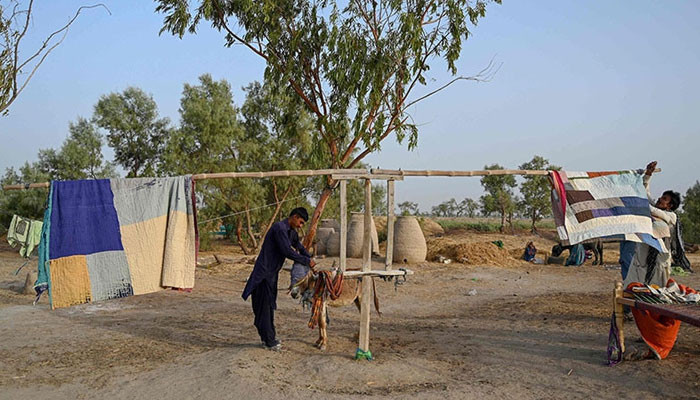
[{"x": 647, "y": 177}]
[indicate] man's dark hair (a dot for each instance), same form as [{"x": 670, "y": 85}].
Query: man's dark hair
[
  {"x": 675, "y": 199},
  {"x": 300, "y": 211}
]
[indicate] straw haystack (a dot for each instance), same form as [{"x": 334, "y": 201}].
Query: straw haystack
[
  {"x": 409, "y": 242},
  {"x": 356, "y": 233}
]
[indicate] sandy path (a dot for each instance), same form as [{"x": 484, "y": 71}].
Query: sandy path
[{"x": 519, "y": 337}]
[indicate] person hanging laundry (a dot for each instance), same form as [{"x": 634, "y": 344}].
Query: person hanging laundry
[
  {"x": 650, "y": 266},
  {"x": 24, "y": 232},
  {"x": 281, "y": 241}
]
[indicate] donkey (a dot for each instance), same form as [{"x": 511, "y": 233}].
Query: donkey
[{"x": 351, "y": 293}]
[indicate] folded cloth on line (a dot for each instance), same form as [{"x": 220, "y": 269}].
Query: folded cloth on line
[
  {"x": 659, "y": 331},
  {"x": 110, "y": 238},
  {"x": 609, "y": 205},
  {"x": 25, "y": 233}
]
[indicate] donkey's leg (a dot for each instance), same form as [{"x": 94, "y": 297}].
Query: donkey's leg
[{"x": 322, "y": 327}]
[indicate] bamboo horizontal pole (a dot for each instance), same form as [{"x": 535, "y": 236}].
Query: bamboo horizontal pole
[
  {"x": 356, "y": 173},
  {"x": 486, "y": 172},
  {"x": 42, "y": 185},
  {"x": 272, "y": 174}
]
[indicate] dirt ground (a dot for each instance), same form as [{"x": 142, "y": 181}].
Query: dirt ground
[{"x": 529, "y": 332}]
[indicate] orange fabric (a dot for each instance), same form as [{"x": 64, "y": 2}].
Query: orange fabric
[
  {"x": 658, "y": 331},
  {"x": 602, "y": 173}
]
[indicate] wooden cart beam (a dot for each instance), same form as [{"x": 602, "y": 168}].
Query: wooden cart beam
[
  {"x": 343, "y": 225},
  {"x": 619, "y": 313},
  {"x": 363, "y": 346},
  {"x": 389, "y": 225}
]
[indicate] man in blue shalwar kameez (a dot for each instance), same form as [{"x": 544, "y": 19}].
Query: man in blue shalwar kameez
[{"x": 281, "y": 241}]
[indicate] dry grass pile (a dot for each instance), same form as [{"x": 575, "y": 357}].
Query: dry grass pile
[
  {"x": 477, "y": 253},
  {"x": 430, "y": 227},
  {"x": 380, "y": 223}
]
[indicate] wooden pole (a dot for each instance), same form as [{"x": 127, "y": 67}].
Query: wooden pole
[
  {"x": 487, "y": 172},
  {"x": 619, "y": 314},
  {"x": 389, "y": 225},
  {"x": 345, "y": 173},
  {"x": 269, "y": 174},
  {"x": 363, "y": 347},
  {"x": 343, "y": 224},
  {"x": 27, "y": 186}
]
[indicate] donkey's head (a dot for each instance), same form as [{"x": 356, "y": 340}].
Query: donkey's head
[{"x": 302, "y": 285}]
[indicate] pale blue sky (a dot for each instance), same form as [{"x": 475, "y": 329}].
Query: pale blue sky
[{"x": 590, "y": 85}]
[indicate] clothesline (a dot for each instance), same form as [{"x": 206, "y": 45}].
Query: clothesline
[{"x": 252, "y": 209}]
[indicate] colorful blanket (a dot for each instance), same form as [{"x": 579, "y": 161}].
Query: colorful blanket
[
  {"x": 602, "y": 205},
  {"x": 110, "y": 238}
]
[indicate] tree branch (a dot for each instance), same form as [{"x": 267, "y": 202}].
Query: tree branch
[{"x": 485, "y": 75}]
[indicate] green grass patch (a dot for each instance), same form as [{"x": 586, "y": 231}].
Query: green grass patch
[{"x": 488, "y": 224}]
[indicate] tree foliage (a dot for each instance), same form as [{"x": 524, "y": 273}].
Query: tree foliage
[
  {"x": 468, "y": 207},
  {"x": 535, "y": 190},
  {"x": 408, "y": 208},
  {"x": 80, "y": 156},
  {"x": 355, "y": 66},
  {"x": 499, "y": 195},
  {"x": 18, "y": 62},
  {"x": 27, "y": 203},
  {"x": 136, "y": 132},
  {"x": 690, "y": 217}
]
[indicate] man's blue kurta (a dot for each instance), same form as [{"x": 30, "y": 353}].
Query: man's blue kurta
[{"x": 280, "y": 242}]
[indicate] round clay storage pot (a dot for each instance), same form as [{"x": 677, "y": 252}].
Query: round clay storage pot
[
  {"x": 409, "y": 242},
  {"x": 333, "y": 244},
  {"x": 356, "y": 233},
  {"x": 322, "y": 235},
  {"x": 330, "y": 223}
]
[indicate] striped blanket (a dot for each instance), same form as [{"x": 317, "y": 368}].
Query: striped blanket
[
  {"x": 110, "y": 238},
  {"x": 612, "y": 206}
]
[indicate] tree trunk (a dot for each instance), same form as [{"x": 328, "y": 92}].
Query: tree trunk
[
  {"x": 249, "y": 228},
  {"x": 503, "y": 219},
  {"x": 533, "y": 229},
  {"x": 322, "y": 201},
  {"x": 239, "y": 229}
]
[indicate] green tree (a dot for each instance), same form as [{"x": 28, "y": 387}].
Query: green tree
[
  {"x": 408, "y": 208},
  {"x": 136, "y": 133},
  {"x": 80, "y": 156},
  {"x": 378, "y": 199},
  {"x": 535, "y": 191},
  {"x": 207, "y": 140},
  {"x": 499, "y": 194},
  {"x": 355, "y": 66},
  {"x": 449, "y": 208},
  {"x": 468, "y": 207},
  {"x": 29, "y": 203},
  {"x": 690, "y": 216},
  {"x": 19, "y": 62}
]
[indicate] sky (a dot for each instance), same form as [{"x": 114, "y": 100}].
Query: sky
[{"x": 596, "y": 85}]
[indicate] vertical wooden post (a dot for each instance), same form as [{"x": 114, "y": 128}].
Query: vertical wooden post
[
  {"x": 389, "y": 225},
  {"x": 363, "y": 347},
  {"x": 619, "y": 314},
  {"x": 343, "y": 224}
]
